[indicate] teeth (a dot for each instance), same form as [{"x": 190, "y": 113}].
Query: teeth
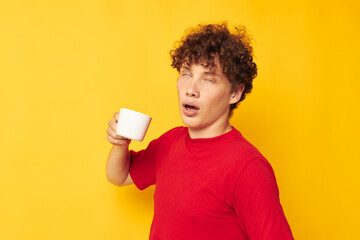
[{"x": 190, "y": 108}]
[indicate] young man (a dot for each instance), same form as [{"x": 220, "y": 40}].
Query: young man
[{"x": 210, "y": 182}]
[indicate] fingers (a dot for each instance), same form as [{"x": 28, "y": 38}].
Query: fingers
[
  {"x": 112, "y": 136},
  {"x": 113, "y": 124},
  {"x": 116, "y": 116},
  {"x": 112, "y": 133},
  {"x": 118, "y": 141}
]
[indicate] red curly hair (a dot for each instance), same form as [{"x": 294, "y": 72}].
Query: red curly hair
[{"x": 208, "y": 42}]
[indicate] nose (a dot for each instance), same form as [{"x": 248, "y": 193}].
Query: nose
[{"x": 193, "y": 90}]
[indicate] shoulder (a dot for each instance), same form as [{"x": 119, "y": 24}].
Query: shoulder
[
  {"x": 244, "y": 159},
  {"x": 171, "y": 135},
  {"x": 174, "y": 132},
  {"x": 239, "y": 147},
  {"x": 164, "y": 142}
]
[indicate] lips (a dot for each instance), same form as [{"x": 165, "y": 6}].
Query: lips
[{"x": 190, "y": 109}]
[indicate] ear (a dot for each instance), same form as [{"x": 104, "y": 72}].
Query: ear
[{"x": 236, "y": 95}]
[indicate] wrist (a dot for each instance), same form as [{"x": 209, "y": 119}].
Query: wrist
[{"x": 121, "y": 147}]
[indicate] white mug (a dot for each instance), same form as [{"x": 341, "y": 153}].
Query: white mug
[{"x": 132, "y": 124}]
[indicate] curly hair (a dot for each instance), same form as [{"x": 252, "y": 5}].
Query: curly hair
[{"x": 233, "y": 50}]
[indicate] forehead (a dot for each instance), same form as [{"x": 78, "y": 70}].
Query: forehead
[{"x": 214, "y": 68}]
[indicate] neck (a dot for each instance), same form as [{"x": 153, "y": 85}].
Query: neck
[{"x": 209, "y": 132}]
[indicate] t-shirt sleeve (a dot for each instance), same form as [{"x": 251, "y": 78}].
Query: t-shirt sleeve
[
  {"x": 143, "y": 166},
  {"x": 257, "y": 203}
]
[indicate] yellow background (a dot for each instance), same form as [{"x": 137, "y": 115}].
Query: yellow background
[{"x": 67, "y": 66}]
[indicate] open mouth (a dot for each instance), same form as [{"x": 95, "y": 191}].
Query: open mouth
[{"x": 191, "y": 107}]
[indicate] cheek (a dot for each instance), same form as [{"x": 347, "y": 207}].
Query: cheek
[
  {"x": 179, "y": 91},
  {"x": 179, "y": 85},
  {"x": 218, "y": 104},
  {"x": 219, "y": 98},
  {"x": 181, "y": 88}
]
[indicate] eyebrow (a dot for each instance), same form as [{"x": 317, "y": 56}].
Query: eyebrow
[
  {"x": 213, "y": 73},
  {"x": 208, "y": 72},
  {"x": 186, "y": 67}
]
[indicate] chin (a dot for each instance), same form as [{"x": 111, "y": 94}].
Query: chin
[
  {"x": 191, "y": 123},
  {"x": 187, "y": 122}
]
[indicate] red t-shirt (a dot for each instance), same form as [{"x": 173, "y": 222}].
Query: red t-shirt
[{"x": 214, "y": 188}]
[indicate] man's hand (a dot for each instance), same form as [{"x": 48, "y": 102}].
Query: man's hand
[
  {"x": 117, "y": 166},
  {"x": 114, "y": 138}
]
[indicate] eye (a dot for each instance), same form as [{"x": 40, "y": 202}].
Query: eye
[
  {"x": 209, "y": 80},
  {"x": 186, "y": 74}
]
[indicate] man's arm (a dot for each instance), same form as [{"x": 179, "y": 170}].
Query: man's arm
[
  {"x": 118, "y": 162},
  {"x": 257, "y": 203}
]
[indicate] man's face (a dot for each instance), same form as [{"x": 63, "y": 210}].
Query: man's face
[{"x": 204, "y": 97}]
